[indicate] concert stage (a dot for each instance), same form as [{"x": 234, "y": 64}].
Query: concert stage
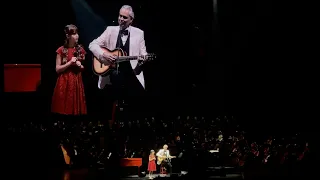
[
  {"x": 181, "y": 176},
  {"x": 95, "y": 174}
]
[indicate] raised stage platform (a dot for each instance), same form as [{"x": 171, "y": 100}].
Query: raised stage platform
[{"x": 95, "y": 174}]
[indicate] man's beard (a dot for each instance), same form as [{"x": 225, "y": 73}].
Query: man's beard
[{"x": 122, "y": 25}]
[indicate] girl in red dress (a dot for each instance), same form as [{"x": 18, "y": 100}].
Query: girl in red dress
[
  {"x": 68, "y": 100},
  {"x": 68, "y": 97},
  {"x": 152, "y": 164}
]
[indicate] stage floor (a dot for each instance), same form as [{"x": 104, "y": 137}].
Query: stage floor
[
  {"x": 93, "y": 174},
  {"x": 157, "y": 176}
]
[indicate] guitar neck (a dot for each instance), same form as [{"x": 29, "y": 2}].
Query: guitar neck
[{"x": 127, "y": 58}]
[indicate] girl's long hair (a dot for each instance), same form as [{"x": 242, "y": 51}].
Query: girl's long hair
[{"x": 70, "y": 30}]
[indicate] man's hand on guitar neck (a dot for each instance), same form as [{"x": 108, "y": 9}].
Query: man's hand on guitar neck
[
  {"x": 145, "y": 57},
  {"x": 142, "y": 58}
]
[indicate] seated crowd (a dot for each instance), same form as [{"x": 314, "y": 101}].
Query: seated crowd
[{"x": 218, "y": 140}]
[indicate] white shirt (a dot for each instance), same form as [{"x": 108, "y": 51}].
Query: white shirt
[{"x": 125, "y": 37}]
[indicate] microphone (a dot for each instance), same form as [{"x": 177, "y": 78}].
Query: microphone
[{"x": 75, "y": 54}]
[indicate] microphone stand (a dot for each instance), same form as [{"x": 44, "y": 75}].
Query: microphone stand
[
  {"x": 118, "y": 85},
  {"x": 115, "y": 80},
  {"x": 118, "y": 47},
  {"x": 117, "y": 60}
]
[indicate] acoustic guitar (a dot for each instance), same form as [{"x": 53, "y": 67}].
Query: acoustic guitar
[
  {"x": 164, "y": 158},
  {"x": 102, "y": 69}
]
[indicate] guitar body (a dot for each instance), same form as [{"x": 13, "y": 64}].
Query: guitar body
[
  {"x": 159, "y": 160},
  {"x": 101, "y": 69},
  {"x": 168, "y": 160}
]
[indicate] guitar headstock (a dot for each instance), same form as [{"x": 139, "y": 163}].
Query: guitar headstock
[{"x": 150, "y": 57}]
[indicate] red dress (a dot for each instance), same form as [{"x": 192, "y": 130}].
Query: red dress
[
  {"x": 152, "y": 164},
  {"x": 68, "y": 96}
]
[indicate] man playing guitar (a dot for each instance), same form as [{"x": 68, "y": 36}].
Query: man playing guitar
[{"x": 164, "y": 159}]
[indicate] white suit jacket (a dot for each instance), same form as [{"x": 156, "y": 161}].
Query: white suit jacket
[
  {"x": 162, "y": 153},
  {"x": 109, "y": 39}
]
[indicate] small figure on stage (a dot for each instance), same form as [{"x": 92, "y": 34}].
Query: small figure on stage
[
  {"x": 164, "y": 160},
  {"x": 152, "y": 164},
  {"x": 68, "y": 96}
]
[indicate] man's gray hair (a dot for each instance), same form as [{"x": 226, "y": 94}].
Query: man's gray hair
[{"x": 129, "y": 8}]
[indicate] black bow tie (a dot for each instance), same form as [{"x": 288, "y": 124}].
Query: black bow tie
[{"x": 124, "y": 32}]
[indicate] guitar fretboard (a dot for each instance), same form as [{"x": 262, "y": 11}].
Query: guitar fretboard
[{"x": 127, "y": 58}]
